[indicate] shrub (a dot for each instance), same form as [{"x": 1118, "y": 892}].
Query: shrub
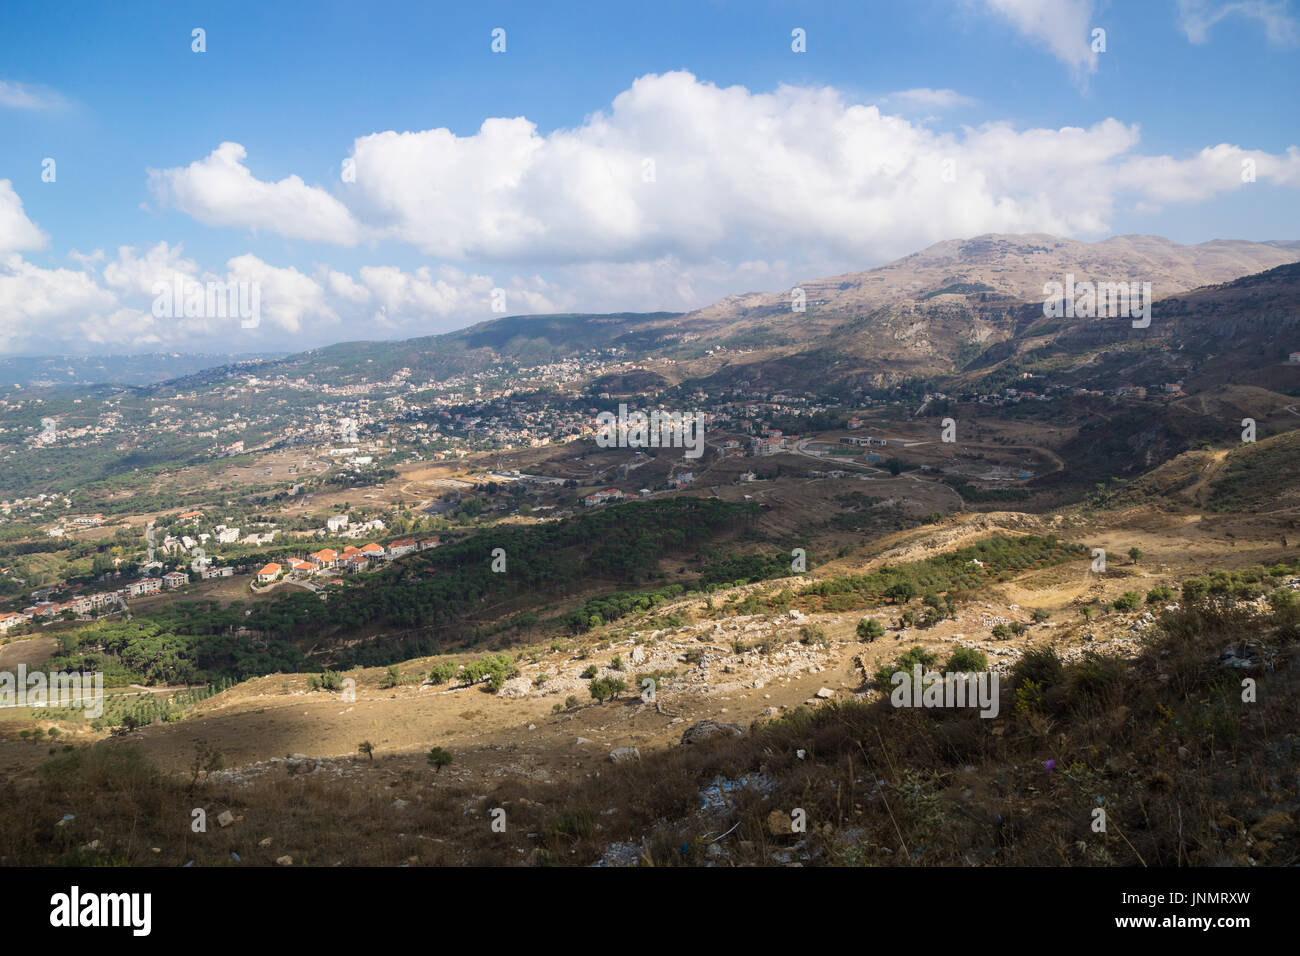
[
  {"x": 590, "y": 672},
  {"x": 367, "y": 748},
  {"x": 1159, "y": 594},
  {"x": 442, "y": 672},
  {"x": 438, "y": 758},
  {"x": 1041, "y": 665},
  {"x": 966, "y": 660},
  {"x": 1285, "y": 604},
  {"x": 813, "y": 634},
  {"x": 330, "y": 680},
  {"x": 606, "y": 688},
  {"x": 392, "y": 678},
  {"x": 571, "y": 702},
  {"x": 1127, "y": 601},
  {"x": 869, "y": 629},
  {"x": 906, "y": 661},
  {"x": 1093, "y": 678}
]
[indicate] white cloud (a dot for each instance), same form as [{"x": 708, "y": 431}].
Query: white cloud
[
  {"x": 1196, "y": 17},
  {"x": 931, "y": 99},
  {"x": 36, "y": 303},
  {"x": 22, "y": 96},
  {"x": 16, "y": 230},
  {"x": 1062, "y": 27},
  {"x": 1213, "y": 170},
  {"x": 132, "y": 274},
  {"x": 681, "y": 170},
  {"x": 220, "y": 191},
  {"x": 288, "y": 298}
]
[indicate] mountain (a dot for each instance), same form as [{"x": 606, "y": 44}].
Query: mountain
[
  {"x": 47, "y": 370},
  {"x": 963, "y": 307}
]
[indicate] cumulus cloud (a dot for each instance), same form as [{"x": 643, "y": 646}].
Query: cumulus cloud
[
  {"x": 36, "y": 304},
  {"x": 136, "y": 274},
  {"x": 16, "y": 230},
  {"x": 1197, "y": 17},
  {"x": 219, "y": 190},
  {"x": 681, "y": 169}
]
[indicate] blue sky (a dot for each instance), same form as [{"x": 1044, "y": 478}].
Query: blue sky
[{"x": 635, "y": 156}]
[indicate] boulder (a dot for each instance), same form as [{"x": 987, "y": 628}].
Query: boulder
[
  {"x": 708, "y": 729},
  {"x": 624, "y": 754}
]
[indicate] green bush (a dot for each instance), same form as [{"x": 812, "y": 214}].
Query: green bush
[
  {"x": 442, "y": 672},
  {"x": 966, "y": 660},
  {"x": 438, "y": 758},
  {"x": 1093, "y": 678},
  {"x": 1040, "y": 665},
  {"x": 1127, "y": 601},
  {"x": 813, "y": 634},
  {"x": 1159, "y": 594},
  {"x": 869, "y": 629},
  {"x": 606, "y": 688},
  {"x": 906, "y": 661}
]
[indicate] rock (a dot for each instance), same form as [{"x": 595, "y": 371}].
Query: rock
[
  {"x": 779, "y": 823},
  {"x": 825, "y": 693},
  {"x": 399, "y": 803},
  {"x": 637, "y": 656},
  {"x": 624, "y": 754},
  {"x": 771, "y": 711},
  {"x": 225, "y": 818},
  {"x": 264, "y": 842},
  {"x": 285, "y": 860},
  {"x": 580, "y": 741},
  {"x": 708, "y": 729},
  {"x": 516, "y": 687}
]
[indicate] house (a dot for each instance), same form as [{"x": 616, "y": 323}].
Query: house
[
  {"x": 142, "y": 587},
  {"x": 302, "y": 567},
  {"x": 228, "y": 536},
  {"x": 372, "y": 550},
  {"x": 398, "y": 548},
  {"x": 1294, "y": 358},
  {"x": 175, "y": 579},
  {"x": 209, "y": 573},
  {"x": 600, "y": 497},
  {"x": 11, "y": 619},
  {"x": 428, "y": 543},
  {"x": 324, "y": 558},
  {"x": 336, "y": 522},
  {"x": 268, "y": 573},
  {"x": 190, "y": 516}
]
